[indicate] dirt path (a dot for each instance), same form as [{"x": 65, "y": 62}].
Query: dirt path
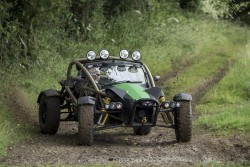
[
  {"x": 120, "y": 146},
  {"x": 123, "y": 148}
]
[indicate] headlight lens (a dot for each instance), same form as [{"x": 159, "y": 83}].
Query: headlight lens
[
  {"x": 106, "y": 106},
  {"x": 165, "y": 104},
  {"x": 112, "y": 106},
  {"x": 91, "y": 55},
  {"x": 136, "y": 55},
  {"x": 104, "y": 54},
  {"x": 119, "y": 105},
  {"x": 178, "y": 104},
  {"x": 174, "y": 104},
  {"x": 147, "y": 103},
  {"x": 123, "y": 54}
]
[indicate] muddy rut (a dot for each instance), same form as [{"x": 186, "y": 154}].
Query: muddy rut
[{"x": 120, "y": 146}]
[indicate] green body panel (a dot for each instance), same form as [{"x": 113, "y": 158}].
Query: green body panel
[{"x": 133, "y": 90}]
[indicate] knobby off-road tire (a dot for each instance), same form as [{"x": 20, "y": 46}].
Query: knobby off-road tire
[
  {"x": 143, "y": 130},
  {"x": 183, "y": 122},
  {"x": 86, "y": 125},
  {"x": 49, "y": 114}
]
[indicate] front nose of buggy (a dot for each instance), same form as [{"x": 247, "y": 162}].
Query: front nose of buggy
[{"x": 144, "y": 113}]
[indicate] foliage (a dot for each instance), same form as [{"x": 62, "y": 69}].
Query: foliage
[
  {"x": 190, "y": 4},
  {"x": 18, "y": 23},
  {"x": 233, "y": 9},
  {"x": 114, "y": 8},
  {"x": 89, "y": 21}
]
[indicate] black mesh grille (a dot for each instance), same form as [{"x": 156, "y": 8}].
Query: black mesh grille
[{"x": 145, "y": 112}]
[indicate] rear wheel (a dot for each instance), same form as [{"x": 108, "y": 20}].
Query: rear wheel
[
  {"x": 183, "y": 122},
  {"x": 49, "y": 114},
  {"x": 142, "y": 130},
  {"x": 86, "y": 125}
]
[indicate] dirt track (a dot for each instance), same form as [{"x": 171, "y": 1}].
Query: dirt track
[
  {"x": 123, "y": 148},
  {"x": 120, "y": 146}
]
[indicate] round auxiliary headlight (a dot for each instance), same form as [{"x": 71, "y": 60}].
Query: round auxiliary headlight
[
  {"x": 136, "y": 55},
  {"x": 165, "y": 104},
  {"x": 104, "y": 54},
  {"x": 112, "y": 106},
  {"x": 123, "y": 54},
  {"x": 178, "y": 104},
  {"x": 119, "y": 105},
  {"x": 91, "y": 55}
]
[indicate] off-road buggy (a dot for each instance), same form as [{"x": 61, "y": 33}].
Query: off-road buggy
[{"x": 109, "y": 92}]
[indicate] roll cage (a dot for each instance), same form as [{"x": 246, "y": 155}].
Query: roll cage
[{"x": 80, "y": 65}]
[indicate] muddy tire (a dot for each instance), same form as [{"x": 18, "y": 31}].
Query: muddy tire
[
  {"x": 86, "y": 125},
  {"x": 183, "y": 122},
  {"x": 143, "y": 130},
  {"x": 49, "y": 114}
]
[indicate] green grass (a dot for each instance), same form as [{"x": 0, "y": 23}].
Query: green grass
[
  {"x": 11, "y": 132},
  {"x": 226, "y": 106},
  {"x": 235, "y": 86},
  {"x": 225, "y": 118},
  {"x": 194, "y": 76},
  {"x": 200, "y": 70}
]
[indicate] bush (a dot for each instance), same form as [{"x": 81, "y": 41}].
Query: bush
[{"x": 190, "y": 4}]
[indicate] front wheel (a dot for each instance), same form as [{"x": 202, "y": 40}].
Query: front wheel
[
  {"x": 49, "y": 114},
  {"x": 142, "y": 130},
  {"x": 183, "y": 122},
  {"x": 86, "y": 125}
]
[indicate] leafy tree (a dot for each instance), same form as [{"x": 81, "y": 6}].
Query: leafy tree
[
  {"x": 85, "y": 20},
  {"x": 114, "y": 8},
  {"x": 239, "y": 9},
  {"x": 190, "y": 4},
  {"x": 18, "y": 20},
  {"x": 80, "y": 15},
  {"x": 233, "y": 9}
]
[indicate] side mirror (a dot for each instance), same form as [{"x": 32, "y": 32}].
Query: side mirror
[{"x": 156, "y": 78}]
